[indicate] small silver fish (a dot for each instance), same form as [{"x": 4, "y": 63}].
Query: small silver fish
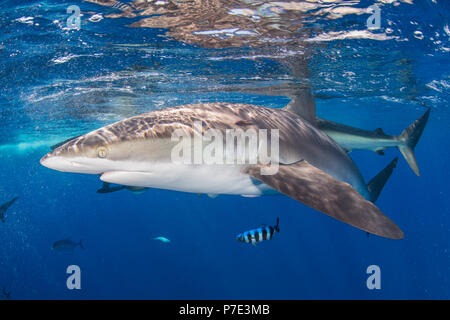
[{"x": 162, "y": 239}]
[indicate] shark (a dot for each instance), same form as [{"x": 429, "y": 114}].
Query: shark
[
  {"x": 348, "y": 137},
  {"x": 351, "y": 138},
  {"x": 4, "y": 207},
  {"x": 312, "y": 168}
]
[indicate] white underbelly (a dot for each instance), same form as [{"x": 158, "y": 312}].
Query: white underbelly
[{"x": 211, "y": 179}]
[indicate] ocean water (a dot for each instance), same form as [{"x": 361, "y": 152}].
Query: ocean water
[{"x": 127, "y": 58}]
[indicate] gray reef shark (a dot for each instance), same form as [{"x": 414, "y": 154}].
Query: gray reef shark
[{"x": 312, "y": 168}]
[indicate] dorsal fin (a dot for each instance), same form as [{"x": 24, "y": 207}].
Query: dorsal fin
[
  {"x": 380, "y": 131},
  {"x": 302, "y": 103}
]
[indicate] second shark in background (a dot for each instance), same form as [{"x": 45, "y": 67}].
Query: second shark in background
[{"x": 351, "y": 138}]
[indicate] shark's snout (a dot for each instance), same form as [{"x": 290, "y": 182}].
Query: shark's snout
[
  {"x": 47, "y": 160},
  {"x": 69, "y": 164},
  {"x": 55, "y": 162},
  {"x": 42, "y": 161}
]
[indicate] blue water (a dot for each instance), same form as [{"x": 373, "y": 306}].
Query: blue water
[{"x": 56, "y": 83}]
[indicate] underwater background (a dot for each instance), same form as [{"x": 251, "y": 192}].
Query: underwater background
[{"x": 127, "y": 58}]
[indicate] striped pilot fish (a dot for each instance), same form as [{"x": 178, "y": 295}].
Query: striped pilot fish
[{"x": 259, "y": 234}]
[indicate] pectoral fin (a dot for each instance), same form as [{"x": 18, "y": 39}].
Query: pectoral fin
[
  {"x": 106, "y": 188},
  {"x": 320, "y": 191},
  {"x": 127, "y": 178}
]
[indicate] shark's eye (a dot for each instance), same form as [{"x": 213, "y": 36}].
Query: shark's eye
[{"x": 102, "y": 152}]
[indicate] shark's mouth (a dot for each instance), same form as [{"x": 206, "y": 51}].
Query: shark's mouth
[{"x": 76, "y": 165}]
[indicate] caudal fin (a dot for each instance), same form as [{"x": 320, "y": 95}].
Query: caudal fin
[
  {"x": 81, "y": 244},
  {"x": 377, "y": 183},
  {"x": 277, "y": 228},
  {"x": 410, "y": 136}
]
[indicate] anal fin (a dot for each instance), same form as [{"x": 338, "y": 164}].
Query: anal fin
[{"x": 320, "y": 191}]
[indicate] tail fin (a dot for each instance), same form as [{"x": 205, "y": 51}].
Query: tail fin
[
  {"x": 81, "y": 245},
  {"x": 410, "y": 136},
  {"x": 276, "y": 227},
  {"x": 377, "y": 183}
]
